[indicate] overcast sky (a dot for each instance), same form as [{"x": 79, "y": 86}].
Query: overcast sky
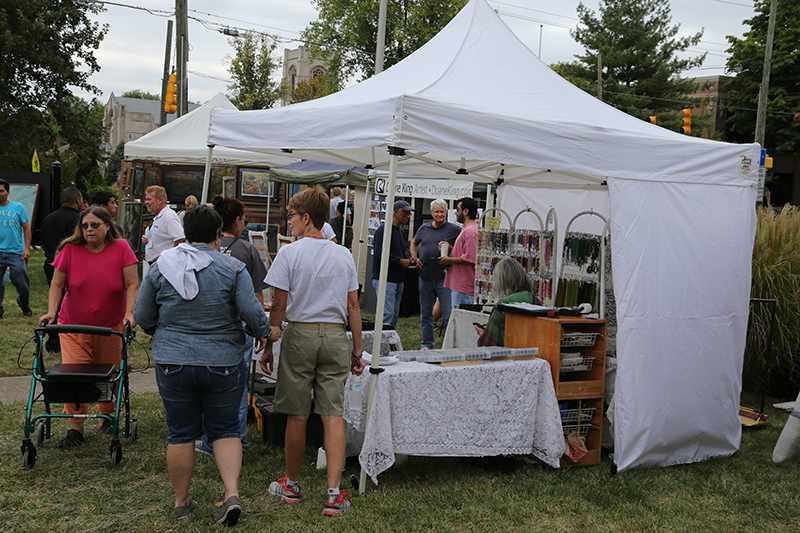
[{"x": 132, "y": 54}]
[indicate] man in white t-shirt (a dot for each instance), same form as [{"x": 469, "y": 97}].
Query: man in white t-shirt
[
  {"x": 335, "y": 201},
  {"x": 166, "y": 231}
]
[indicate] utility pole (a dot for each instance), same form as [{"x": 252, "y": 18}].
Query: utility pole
[
  {"x": 761, "y": 116},
  {"x": 599, "y": 76},
  {"x": 182, "y": 54},
  {"x": 381, "y": 44},
  {"x": 165, "y": 78}
]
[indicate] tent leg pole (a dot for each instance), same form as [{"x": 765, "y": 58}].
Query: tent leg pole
[
  {"x": 207, "y": 175},
  {"x": 384, "y": 269},
  {"x": 361, "y": 232},
  {"x": 344, "y": 224}
]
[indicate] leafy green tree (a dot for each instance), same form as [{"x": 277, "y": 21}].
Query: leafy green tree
[
  {"x": 782, "y": 133},
  {"x": 346, "y": 32},
  {"x": 115, "y": 163},
  {"x": 47, "y": 47},
  {"x": 314, "y": 87},
  {"x": 141, "y": 94},
  {"x": 83, "y": 135},
  {"x": 638, "y": 47},
  {"x": 252, "y": 69}
]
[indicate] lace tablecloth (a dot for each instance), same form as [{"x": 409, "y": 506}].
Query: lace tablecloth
[
  {"x": 460, "y": 332},
  {"x": 497, "y": 408}
]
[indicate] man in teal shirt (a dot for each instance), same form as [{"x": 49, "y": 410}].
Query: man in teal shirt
[{"x": 15, "y": 244}]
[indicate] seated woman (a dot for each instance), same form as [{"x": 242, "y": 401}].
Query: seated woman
[
  {"x": 512, "y": 285},
  {"x": 194, "y": 302}
]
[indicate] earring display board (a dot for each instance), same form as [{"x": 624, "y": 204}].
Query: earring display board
[{"x": 530, "y": 248}]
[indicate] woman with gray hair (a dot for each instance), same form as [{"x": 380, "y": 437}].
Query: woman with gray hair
[{"x": 511, "y": 284}]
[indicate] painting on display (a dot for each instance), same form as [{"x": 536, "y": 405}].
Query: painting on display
[
  {"x": 180, "y": 182},
  {"x": 255, "y": 182},
  {"x": 138, "y": 182},
  {"x": 28, "y": 195},
  {"x": 130, "y": 219},
  {"x": 152, "y": 178}
]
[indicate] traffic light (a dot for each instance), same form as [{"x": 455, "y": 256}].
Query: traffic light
[
  {"x": 652, "y": 119},
  {"x": 171, "y": 103},
  {"x": 687, "y": 121}
]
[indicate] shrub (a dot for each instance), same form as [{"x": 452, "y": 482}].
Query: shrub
[{"x": 776, "y": 265}]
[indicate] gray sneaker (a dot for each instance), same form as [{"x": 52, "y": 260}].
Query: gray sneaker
[
  {"x": 289, "y": 495},
  {"x": 200, "y": 448},
  {"x": 334, "y": 506}
]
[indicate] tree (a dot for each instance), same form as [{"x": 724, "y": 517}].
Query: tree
[
  {"x": 47, "y": 47},
  {"x": 782, "y": 133},
  {"x": 115, "y": 163},
  {"x": 638, "y": 46},
  {"x": 252, "y": 69},
  {"x": 83, "y": 134},
  {"x": 141, "y": 94},
  {"x": 314, "y": 87},
  {"x": 345, "y": 32}
]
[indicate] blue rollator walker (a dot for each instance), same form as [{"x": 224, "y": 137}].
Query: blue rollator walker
[{"x": 78, "y": 383}]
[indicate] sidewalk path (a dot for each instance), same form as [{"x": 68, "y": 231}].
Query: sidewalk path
[{"x": 16, "y": 389}]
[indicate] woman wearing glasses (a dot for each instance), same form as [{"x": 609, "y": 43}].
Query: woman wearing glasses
[{"x": 97, "y": 269}]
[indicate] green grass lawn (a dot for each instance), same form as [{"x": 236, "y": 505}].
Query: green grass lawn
[{"x": 76, "y": 489}]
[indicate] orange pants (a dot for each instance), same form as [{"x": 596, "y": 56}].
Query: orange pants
[{"x": 85, "y": 349}]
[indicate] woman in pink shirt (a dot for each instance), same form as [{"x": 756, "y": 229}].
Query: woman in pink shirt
[{"x": 97, "y": 269}]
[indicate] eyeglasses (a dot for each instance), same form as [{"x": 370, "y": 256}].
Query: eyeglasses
[
  {"x": 290, "y": 215},
  {"x": 246, "y": 222},
  {"x": 94, "y": 225}
]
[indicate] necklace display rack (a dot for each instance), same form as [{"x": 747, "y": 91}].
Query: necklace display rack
[{"x": 533, "y": 249}]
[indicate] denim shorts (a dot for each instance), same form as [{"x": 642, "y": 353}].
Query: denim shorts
[{"x": 201, "y": 399}]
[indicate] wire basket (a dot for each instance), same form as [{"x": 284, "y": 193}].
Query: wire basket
[
  {"x": 583, "y": 414},
  {"x": 578, "y": 339},
  {"x": 582, "y": 430},
  {"x": 572, "y": 363}
]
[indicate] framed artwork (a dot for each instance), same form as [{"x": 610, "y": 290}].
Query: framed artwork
[
  {"x": 180, "y": 182},
  {"x": 130, "y": 218},
  {"x": 28, "y": 195},
  {"x": 255, "y": 182},
  {"x": 138, "y": 182},
  {"x": 152, "y": 177}
]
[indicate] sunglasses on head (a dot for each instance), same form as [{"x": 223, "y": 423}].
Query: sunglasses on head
[{"x": 94, "y": 225}]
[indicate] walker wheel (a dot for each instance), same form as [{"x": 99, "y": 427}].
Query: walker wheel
[
  {"x": 28, "y": 454},
  {"x": 40, "y": 429},
  {"x": 134, "y": 432},
  {"x": 116, "y": 453}
]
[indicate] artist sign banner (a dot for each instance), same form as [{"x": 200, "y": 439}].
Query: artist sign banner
[{"x": 426, "y": 188}]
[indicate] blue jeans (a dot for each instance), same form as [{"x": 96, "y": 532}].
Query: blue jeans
[
  {"x": 201, "y": 399},
  {"x": 18, "y": 276},
  {"x": 461, "y": 298},
  {"x": 391, "y": 307},
  {"x": 429, "y": 290},
  {"x": 248, "y": 358}
]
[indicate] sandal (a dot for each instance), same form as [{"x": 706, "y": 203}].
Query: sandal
[
  {"x": 183, "y": 512},
  {"x": 73, "y": 439}
]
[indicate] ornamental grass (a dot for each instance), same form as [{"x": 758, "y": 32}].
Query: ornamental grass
[{"x": 776, "y": 269}]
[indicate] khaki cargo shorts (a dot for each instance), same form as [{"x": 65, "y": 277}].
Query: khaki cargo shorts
[{"x": 313, "y": 357}]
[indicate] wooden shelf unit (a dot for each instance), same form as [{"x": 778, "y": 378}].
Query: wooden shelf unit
[{"x": 581, "y": 389}]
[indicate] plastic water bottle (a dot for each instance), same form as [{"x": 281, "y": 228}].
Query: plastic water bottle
[{"x": 355, "y": 395}]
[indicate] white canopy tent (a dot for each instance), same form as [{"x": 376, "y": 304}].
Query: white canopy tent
[
  {"x": 475, "y": 103},
  {"x": 184, "y": 141}
]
